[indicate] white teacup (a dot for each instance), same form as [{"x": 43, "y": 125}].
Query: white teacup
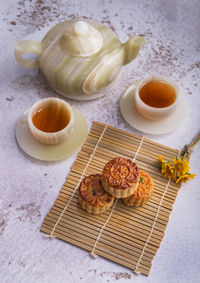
[
  {"x": 51, "y": 120},
  {"x": 156, "y": 112}
]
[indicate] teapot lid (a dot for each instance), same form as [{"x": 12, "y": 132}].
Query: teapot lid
[{"x": 81, "y": 39}]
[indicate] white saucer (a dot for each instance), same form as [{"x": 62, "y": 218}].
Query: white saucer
[
  {"x": 55, "y": 152},
  {"x": 132, "y": 116}
]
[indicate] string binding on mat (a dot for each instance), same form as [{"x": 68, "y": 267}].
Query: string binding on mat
[
  {"x": 92, "y": 254},
  {"x": 136, "y": 272},
  {"x": 104, "y": 225},
  {"x": 49, "y": 236}
]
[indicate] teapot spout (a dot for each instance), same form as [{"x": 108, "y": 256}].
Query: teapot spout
[{"x": 132, "y": 47}]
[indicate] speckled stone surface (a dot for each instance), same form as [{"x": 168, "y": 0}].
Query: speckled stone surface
[{"x": 28, "y": 188}]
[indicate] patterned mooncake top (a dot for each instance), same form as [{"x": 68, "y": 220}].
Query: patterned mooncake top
[
  {"x": 92, "y": 191},
  {"x": 121, "y": 173}
]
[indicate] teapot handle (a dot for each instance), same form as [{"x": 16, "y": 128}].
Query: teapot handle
[{"x": 27, "y": 46}]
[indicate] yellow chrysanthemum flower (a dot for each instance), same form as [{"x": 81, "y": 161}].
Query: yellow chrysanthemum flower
[
  {"x": 181, "y": 167},
  {"x": 178, "y": 169},
  {"x": 168, "y": 170},
  {"x": 163, "y": 168},
  {"x": 186, "y": 177},
  {"x": 160, "y": 161}
]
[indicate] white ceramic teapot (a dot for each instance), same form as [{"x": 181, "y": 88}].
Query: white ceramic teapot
[{"x": 79, "y": 58}]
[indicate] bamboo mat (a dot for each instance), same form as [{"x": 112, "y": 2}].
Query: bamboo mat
[{"x": 125, "y": 235}]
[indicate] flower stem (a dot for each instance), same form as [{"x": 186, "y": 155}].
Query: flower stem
[
  {"x": 185, "y": 155},
  {"x": 189, "y": 147}
]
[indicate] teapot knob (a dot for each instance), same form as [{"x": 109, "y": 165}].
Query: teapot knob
[
  {"x": 81, "y": 28},
  {"x": 81, "y": 39}
]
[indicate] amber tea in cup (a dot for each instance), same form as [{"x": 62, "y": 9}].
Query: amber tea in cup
[
  {"x": 156, "y": 97},
  {"x": 51, "y": 120},
  {"x": 51, "y": 117},
  {"x": 158, "y": 94}
]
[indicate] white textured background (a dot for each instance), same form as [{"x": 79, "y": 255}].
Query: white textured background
[{"x": 28, "y": 188}]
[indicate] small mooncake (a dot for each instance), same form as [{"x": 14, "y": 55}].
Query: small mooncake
[
  {"x": 92, "y": 196},
  {"x": 143, "y": 192},
  {"x": 120, "y": 177}
]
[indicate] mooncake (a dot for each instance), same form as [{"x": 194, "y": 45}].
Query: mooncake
[
  {"x": 143, "y": 192},
  {"x": 92, "y": 196},
  {"x": 120, "y": 177}
]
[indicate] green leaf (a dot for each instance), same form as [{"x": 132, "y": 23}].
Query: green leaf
[{"x": 140, "y": 180}]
